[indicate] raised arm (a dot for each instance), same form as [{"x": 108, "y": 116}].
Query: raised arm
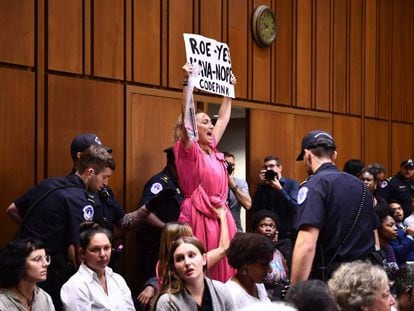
[
  {"x": 223, "y": 115},
  {"x": 187, "y": 98},
  {"x": 215, "y": 255}
]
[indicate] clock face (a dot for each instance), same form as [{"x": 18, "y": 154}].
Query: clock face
[
  {"x": 264, "y": 26},
  {"x": 267, "y": 26}
]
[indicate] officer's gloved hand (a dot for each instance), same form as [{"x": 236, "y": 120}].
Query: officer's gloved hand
[{"x": 157, "y": 202}]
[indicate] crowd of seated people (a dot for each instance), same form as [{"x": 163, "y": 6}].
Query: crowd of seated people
[{"x": 261, "y": 274}]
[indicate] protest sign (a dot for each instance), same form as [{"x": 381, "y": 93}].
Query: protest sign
[{"x": 213, "y": 59}]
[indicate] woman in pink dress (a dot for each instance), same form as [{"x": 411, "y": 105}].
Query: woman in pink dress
[{"x": 203, "y": 178}]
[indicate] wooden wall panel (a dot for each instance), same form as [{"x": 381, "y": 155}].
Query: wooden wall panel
[
  {"x": 408, "y": 61},
  {"x": 239, "y": 29},
  {"x": 17, "y": 32},
  {"x": 145, "y": 144},
  {"x": 396, "y": 60},
  {"x": 339, "y": 45},
  {"x": 348, "y": 135},
  {"x": 84, "y": 106},
  {"x": 147, "y": 42},
  {"x": 376, "y": 142},
  {"x": 303, "y": 54},
  {"x": 370, "y": 58},
  {"x": 211, "y": 23},
  {"x": 17, "y": 136},
  {"x": 355, "y": 57},
  {"x": 384, "y": 58},
  {"x": 284, "y": 48},
  {"x": 401, "y": 144},
  {"x": 108, "y": 39},
  {"x": 65, "y": 45},
  {"x": 322, "y": 54},
  {"x": 180, "y": 21},
  {"x": 261, "y": 63},
  {"x": 271, "y": 141}
]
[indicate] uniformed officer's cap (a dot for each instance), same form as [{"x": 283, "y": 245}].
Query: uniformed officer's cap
[
  {"x": 170, "y": 153},
  {"x": 82, "y": 142},
  {"x": 316, "y": 139},
  {"x": 407, "y": 164}
]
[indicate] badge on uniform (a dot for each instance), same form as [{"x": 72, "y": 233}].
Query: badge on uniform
[
  {"x": 156, "y": 188},
  {"x": 302, "y": 195},
  {"x": 88, "y": 212},
  {"x": 384, "y": 184}
]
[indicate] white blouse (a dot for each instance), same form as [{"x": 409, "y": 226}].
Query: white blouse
[{"x": 83, "y": 292}]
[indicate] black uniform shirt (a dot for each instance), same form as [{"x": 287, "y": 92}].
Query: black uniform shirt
[
  {"x": 329, "y": 201},
  {"x": 169, "y": 209},
  {"x": 56, "y": 218}
]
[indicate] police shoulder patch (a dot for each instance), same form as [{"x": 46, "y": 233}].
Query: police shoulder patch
[
  {"x": 156, "y": 188},
  {"x": 88, "y": 212},
  {"x": 302, "y": 194}
]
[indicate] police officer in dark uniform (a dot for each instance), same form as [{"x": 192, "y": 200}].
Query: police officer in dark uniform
[
  {"x": 400, "y": 187},
  {"x": 328, "y": 203},
  {"x": 108, "y": 211},
  {"x": 57, "y": 207},
  {"x": 165, "y": 186}
]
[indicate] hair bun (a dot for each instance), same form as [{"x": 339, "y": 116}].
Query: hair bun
[{"x": 89, "y": 224}]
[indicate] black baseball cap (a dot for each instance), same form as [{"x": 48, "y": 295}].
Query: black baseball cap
[
  {"x": 407, "y": 164},
  {"x": 315, "y": 139},
  {"x": 82, "y": 142}
]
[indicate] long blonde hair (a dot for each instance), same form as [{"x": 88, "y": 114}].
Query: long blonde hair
[{"x": 171, "y": 232}]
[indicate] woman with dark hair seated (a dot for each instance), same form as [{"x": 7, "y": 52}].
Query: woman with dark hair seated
[
  {"x": 95, "y": 286},
  {"x": 386, "y": 234},
  {"x": 23, "y": 263},
  {"x": 250, "y": 254},
  {"x": 266, "y": 222},
  {"x": 311, "y": 295},
  {"x": 185, "y": 285}
]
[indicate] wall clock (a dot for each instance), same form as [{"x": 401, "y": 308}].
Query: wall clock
[{"x": 264, "y": 26}]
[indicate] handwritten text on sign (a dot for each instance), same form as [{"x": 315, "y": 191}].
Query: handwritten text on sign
[{"x": 213, "y": 59}]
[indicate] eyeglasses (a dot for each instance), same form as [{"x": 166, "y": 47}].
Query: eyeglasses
[
  {"x": 270, "y": 166},
  {"x": 41, "y": 259}
]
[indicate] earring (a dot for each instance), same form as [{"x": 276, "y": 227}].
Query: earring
[{"x": 243, "y": 272}]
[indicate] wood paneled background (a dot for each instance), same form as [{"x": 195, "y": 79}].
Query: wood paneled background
[{"x": 113, "y": 67}]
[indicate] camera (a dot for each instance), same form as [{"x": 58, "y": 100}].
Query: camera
[
  {"x": 270, "y": 175},
  {"x": 230, "y": 168}
]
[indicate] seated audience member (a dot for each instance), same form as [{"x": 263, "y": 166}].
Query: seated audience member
[
  {"x": 266, "y": 222},
  {"x": 404, "y": 244},
  {"x": 403, "y": 289},
  {"x": 370, "y": 179},
  {"x": 386, "y": 234},
  {"x": 95, "y": 286},
  {"x": 311, "y": 295},
  {"x": 185, "y": 285},
  {"x": 409, "y": 221},
  {"x": 354, "y": 167},
  {"x": 250, "y": 254},
  {"x": 23, "y": 263},
  {"x": 361, "y": 286},
  {"x": 171, "y": 232}
]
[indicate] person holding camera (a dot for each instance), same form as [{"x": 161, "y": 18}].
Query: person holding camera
[
  {"x": 238, "y": 194},
  {"x": 278, "y": 194}
]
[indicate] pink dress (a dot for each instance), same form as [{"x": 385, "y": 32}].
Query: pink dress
[{"x": 203, "y": 180}]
